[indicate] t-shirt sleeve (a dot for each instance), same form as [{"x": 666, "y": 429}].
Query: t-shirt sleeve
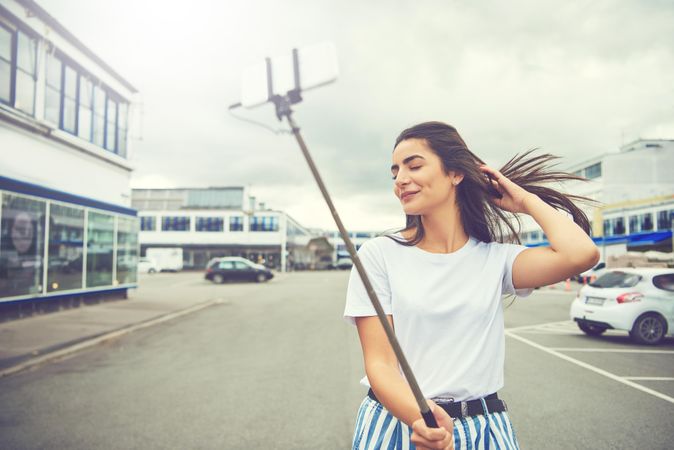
[
  {"x": 511, "y": 252},
  {"x": 358, "y": 303}
]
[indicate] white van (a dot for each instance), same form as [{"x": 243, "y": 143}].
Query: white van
[{"x": 168, "y": 259}]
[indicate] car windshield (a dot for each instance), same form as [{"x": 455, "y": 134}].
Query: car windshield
[{"x": 616, "y": 280}]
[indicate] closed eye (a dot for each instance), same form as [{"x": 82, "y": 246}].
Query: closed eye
[{"x": 411, "y": 168}]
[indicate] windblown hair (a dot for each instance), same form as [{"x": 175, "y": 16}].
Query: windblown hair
[{"x": 480, "y": 216}]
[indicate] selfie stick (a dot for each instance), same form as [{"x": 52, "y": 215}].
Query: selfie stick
[{"x": 283, "y": 109}]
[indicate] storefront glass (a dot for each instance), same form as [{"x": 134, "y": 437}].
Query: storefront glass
[
  {"x": 127, "y": 250},
  {"x": 100, "y": 243},
  {"x": 66, "y": 248},
  {"x": 21, "y": 245}
]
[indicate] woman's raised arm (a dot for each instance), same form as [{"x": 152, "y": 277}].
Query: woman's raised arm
[{"x": 571, "y": 250}]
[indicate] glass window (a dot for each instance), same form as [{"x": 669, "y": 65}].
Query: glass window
[
  {"x": 5, "y": 43},
  {"x": 66, "y": 248},
  {"x": 70, "y": 100},
  {"x": 5, "y": 64},
  {"x": 21, "y": 245},
  {"x": 593, "y": 171},
  {"x": 608, "y": 229},
  {"x": 210, "y": 224},
  {"x": 613, "y": 279},
  {"x": 122, "y": 125},
  {"x": 5, "y": 80},
  {"x": 646, "y": 222},
  {"x": 618, "y": 226},
  {"x": 264, "y": 223},
  {"x": 25, "y": 92},
  {"x": 26, "y": 53},
  {"x": 634, "y": 224},
  {"x": 236, "y": 223},
  {"x": 52, "y": 106},
  {"x": 147, "y": 224},
  {"x": 665, "y": 282},
  {"x": 665, "y": 219},
  {"x": 85, "y": 115},
  {"x": 25, "y": 73},
  {"x": 100, "y": 242},
  {"x": 111, "y": 128},
  {"x": 127, "y": 250},
  {"x": 99, "y": 116},
  {"x": 226, "y": 265},
  {"x": 175, "y": 224}
]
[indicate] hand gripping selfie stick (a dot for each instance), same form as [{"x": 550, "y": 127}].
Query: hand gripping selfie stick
[{"x": 282, "y": 104}]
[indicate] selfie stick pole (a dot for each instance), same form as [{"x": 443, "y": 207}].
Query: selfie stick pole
[{"x": 283, "y": 110}]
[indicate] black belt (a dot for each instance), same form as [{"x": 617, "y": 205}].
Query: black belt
[{"x": 456, "y": 410}]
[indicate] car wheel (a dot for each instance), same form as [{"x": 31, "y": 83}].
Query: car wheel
[
  {"x": 151, "y": 271},
  {"x": 218, "y": 279},
  {"x": 261, "y": 278},
  {"x": 649, "y": 329},
  {"x": 591, "y": 330}
]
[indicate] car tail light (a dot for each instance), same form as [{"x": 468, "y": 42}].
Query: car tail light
[
  {"x": 209, "y": 270},
  {"x": 630, "y": 297}
]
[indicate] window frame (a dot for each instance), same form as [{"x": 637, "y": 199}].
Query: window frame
[{"x": 14, "y": 29}]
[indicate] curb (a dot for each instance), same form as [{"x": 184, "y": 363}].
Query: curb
[{"x": 60, "y": 350}]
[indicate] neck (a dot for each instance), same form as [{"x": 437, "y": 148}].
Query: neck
[{"x": 444, "y": 231}]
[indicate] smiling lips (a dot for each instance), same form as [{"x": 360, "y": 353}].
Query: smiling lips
[{"x": 407, "y": 195}]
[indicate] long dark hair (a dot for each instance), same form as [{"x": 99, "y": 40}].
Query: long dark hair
[{"x": 480, "y": 216}]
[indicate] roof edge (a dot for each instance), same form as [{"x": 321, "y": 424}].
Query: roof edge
[{"x": 42, "y": 14}]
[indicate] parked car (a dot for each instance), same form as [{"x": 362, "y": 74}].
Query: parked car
[
  {"x": 638, "y": 300},
  {"x": 343, "y": 263},
  {"x": 595, "y": 272},
  {"x": 147, "y": 265},
  {"x": 233, "y": 268}
]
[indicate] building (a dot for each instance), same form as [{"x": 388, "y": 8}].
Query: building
[
  {"x": 634, "y": 190},
  {"x": 358, "y": 238},
  {"x": 219, "y": 221},
  {"x": 68, "y": 233}
]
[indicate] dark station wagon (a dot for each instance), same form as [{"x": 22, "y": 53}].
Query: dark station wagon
[{"x": 234, "y": 268}]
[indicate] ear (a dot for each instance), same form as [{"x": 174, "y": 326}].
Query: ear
[{"x": 456, "y": 178}]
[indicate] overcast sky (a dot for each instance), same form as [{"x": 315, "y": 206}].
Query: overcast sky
[{"x": 574, "y": 78}]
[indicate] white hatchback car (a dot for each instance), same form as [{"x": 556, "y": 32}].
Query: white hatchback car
[{"x": 639, "y": 300}]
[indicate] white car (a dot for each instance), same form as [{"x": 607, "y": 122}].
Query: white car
[
  {"x": 147, "y": 265},
  {"x": 638, "y": 300}
]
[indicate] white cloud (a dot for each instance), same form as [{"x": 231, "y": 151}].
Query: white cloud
[{"x": 574, "y": 78}]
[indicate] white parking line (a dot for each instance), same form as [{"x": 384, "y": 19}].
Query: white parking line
[
  {"x": 649, "y": 378},
  {"x": 590, "y": 367},
  {"x": 538, "y": 325},
  {"x": 611, "y": 350}
]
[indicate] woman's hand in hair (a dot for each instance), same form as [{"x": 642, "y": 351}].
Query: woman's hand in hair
[
  {"x": 513, "y": 198},
  {"x": 434, "y": 438}
]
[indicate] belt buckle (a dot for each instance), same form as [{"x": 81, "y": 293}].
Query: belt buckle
[{"x": 464, "y": 409}]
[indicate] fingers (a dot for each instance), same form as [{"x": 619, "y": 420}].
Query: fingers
[
  {"x": 493, "y": 172},
  {"x": 434, "y": 438}
]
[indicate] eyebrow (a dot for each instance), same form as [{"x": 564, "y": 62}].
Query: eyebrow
[{"x": 406, "y": 161}]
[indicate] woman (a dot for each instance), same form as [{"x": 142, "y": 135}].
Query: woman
[{"x": 440, "y": 282}]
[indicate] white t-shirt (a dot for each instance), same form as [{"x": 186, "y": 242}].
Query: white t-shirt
[{"x": 447, "y": 310}]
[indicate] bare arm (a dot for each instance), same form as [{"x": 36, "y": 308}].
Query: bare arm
[
  {"x": 393, "y": 391},
  {"x": 571, "y": 250},
  {"x": 381, "y": 367}
]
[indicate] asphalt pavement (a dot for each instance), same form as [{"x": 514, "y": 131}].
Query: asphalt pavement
[{"x": 184, "y": 363}]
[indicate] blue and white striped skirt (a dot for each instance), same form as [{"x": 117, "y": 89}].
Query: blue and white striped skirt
[{"x": 376, "y": 428}]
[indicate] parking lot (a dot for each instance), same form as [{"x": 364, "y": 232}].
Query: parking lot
[{"x": 278, "y": 354}]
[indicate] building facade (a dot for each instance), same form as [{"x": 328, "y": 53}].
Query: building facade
[
  {"x": 219, "y": 221},
  {"x": 67, "y": 228},
  {"x": 634, "y": 193}
]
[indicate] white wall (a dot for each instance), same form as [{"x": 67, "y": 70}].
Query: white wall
[{"x": 36, "y": 159}]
